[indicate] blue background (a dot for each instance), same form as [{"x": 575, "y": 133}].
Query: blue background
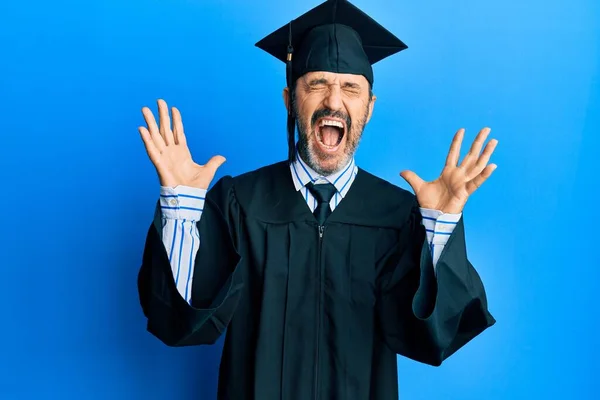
[{"x": 78, "y": 190}]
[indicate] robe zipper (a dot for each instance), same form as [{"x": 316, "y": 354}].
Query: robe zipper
[{"x": 319, "y": 301}]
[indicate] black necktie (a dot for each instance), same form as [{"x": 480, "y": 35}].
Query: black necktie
[{"x": 323, "y": 193}]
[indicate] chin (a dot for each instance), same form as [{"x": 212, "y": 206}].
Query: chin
[{"x": 326, "y": 163}]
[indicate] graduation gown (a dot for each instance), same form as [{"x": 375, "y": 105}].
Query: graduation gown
[{"x": 314, "y": 312}]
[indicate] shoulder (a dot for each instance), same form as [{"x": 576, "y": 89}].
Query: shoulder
[
  {"x": 373, "y": 201},
  {"x": 258, "y": 192},
  {"x": 261, "y": 180},
  {"x": 385, "y": 194},
  {"x": 249, "y": 180}
]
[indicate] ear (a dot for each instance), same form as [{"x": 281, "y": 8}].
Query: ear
[
  {"x": 286, "y": 98},
  {"x": 371, "y": 105}
]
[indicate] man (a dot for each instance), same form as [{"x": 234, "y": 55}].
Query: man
[{"x": 320, "y": 272}]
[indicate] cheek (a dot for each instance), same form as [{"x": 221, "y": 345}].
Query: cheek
[
  {"x": 360, "y": 112},
  {"x": 303, "y": 112},
  {"x": 308, "y": 103}
]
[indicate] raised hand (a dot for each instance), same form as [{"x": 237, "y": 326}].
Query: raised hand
[
  {"x": 167, "y": 148},
  {"x": 450, "y": 191}
]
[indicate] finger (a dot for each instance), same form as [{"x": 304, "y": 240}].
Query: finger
[
  {"x": 153, "y": 128},
  {"x": 483, "y": 159},
  {"x": 214, "y": 163},
  {"x": 178, "y": 134},
  {"x": 413, "y": 180},
  {"x": 473, "y": 153},
  {"x": 151, "y": 149},
  {"x": 476, "y": 183},
  {"x": 165, "y": 122},
  {"x": 454, "y": 153}
]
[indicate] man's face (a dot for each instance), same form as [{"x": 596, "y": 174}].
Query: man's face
[{"x": 332, "y": 111}]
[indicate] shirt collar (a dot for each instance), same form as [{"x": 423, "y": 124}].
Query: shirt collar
[{"x": 302, "y": 174}]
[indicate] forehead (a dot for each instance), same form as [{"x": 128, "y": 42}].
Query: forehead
[{"x": 335, "y": 78}]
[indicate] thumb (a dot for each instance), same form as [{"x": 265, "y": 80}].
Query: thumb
[
  {"x": 214, "y": 163},
  {"x": 412, "y": 179}
]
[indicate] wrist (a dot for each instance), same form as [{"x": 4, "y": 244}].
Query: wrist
[{"x": 182, "y": 202}]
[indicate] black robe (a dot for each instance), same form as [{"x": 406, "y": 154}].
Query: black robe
[{"x": 314, "y": 312}]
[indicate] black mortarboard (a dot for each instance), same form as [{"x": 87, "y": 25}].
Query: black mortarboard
[{"x": 335, "y": 36}]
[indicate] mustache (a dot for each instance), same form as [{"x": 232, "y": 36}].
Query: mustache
[{"x": 325, "y": 112}]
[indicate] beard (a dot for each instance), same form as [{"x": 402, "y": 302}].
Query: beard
[{"x": 322, "y": 163}]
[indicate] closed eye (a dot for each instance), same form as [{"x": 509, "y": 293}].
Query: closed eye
[
  {"x": 321, "y": 84},
  {"x": 351, "y": 88}
]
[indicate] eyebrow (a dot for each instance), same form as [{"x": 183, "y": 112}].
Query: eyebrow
[
  {"x": 351, "y": 85},
  {"x": 319, "y": 81}
]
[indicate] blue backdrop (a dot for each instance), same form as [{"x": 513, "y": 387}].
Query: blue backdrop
[{"x": 78, "y": 190}]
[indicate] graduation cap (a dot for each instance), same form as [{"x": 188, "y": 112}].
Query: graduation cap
[{"x": 335, "y": 36}]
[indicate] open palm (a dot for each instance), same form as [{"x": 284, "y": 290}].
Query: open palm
[
  {"x": 450, "y": 191},
  {"x": 167, "y": 148}
]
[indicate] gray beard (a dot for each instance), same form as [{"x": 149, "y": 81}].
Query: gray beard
[{"x": 311, "y": 159}]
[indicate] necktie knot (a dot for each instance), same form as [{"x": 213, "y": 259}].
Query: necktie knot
[{"x": 323, "y": 193}]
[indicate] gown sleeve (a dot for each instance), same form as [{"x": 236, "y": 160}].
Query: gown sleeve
[
  {"x": 216, "y": 284},
  {"x": 425, "y": 315}
]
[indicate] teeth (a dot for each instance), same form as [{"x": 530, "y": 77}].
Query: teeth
[{"x": 328, "y": 122}]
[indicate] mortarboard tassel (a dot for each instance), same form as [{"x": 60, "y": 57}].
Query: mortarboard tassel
[{"x": 291, "y": 120}]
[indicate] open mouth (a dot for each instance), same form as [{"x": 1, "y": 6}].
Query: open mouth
[{"x": 329, "y": 133}]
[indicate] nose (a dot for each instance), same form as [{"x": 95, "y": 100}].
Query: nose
[{"x": 333, "y": 98}]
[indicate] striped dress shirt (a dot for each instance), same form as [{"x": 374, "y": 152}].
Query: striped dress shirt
[{"x": 181, "y": 209}]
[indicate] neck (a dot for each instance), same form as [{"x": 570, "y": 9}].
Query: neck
[{"x": 304, "y": 157}]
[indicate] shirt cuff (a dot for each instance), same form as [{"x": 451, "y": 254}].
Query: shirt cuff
[
  {"x": 439, "y": 225},
  {"x": 182, "y": 202}
]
